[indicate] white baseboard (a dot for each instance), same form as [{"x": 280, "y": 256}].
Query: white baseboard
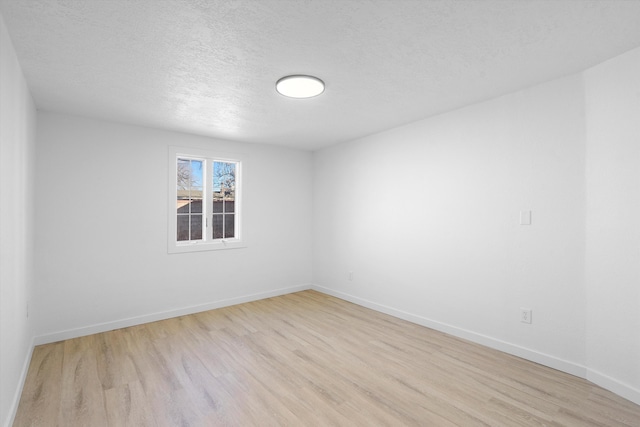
[
  {"x": 613, "y": 385},
  {"x": 153, "y": 317},
  {"x": 513, "y": 349},
  {"x": 23, "y": 378}
]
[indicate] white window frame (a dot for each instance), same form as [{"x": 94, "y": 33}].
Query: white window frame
[{"x": 207, "y": 243}]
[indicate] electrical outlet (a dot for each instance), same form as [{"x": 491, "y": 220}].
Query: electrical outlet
[
  {"x": 525, "y": 315},
  {"x": 350, "y": 276}
]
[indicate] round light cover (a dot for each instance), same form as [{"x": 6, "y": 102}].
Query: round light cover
[{"x": 299, "y": 86}]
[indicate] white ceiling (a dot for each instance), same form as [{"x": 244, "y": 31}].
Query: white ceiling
[{"x": 210, "y": 67}]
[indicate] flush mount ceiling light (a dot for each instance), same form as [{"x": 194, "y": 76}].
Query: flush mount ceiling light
[{"x": 299, "y": 86}]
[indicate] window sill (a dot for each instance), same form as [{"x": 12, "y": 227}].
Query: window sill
[{"x": 178, "y": 248}]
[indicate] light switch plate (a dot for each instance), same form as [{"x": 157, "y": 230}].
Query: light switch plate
[{"x": 525, "y": 217}]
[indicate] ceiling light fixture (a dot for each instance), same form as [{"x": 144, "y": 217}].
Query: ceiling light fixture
[{"x": 299, "y": 86}]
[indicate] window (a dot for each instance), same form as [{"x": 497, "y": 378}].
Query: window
[{"x": 204, "y": 201}]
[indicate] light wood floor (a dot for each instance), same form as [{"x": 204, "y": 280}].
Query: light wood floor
[{"x": 304, "y": 359}]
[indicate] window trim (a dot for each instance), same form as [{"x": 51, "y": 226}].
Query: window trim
[{"x": 239, "y": 241}]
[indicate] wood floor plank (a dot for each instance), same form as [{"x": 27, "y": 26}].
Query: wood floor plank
[
  {"x": 300, "y": 359},
  {"x": 126, "y": 405},
  {"x": 81, "y": 392},
  {"x": 40, "y": 400}
]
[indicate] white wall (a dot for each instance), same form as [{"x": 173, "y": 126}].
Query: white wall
[
  {"x": 17, "y": 140},
  {"x": 427, "y": 218},
  {"x": 101, "y": 252},
  {"x": 613, "y": 224}
]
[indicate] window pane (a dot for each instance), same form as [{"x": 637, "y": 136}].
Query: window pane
[
  {"x": 229, "y": 201},
  {"x": 229, "y": 226},
  {"x": 224, "y": 185},
  {"x": 217, "y": 226},
  {"x": 189, "y": 186},
  {"x": 196, "y": 173},
  {"x": 183, "y": 227},
  {"x": 183, "y": 177},
  {"x": 182, "y": 206},
  {"x": 182, "y": 182},
  {"x": 196, "y": 227},
  {"x": 217, "y": 204},
  {"x": 196, "y": 199},
  {"x": 196, "y": 206}
]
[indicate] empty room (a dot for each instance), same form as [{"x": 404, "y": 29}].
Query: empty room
[{"x": 320, "y": 212}]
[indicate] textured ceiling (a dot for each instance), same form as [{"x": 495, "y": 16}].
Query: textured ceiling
[{"x": 210, "y": 67}]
